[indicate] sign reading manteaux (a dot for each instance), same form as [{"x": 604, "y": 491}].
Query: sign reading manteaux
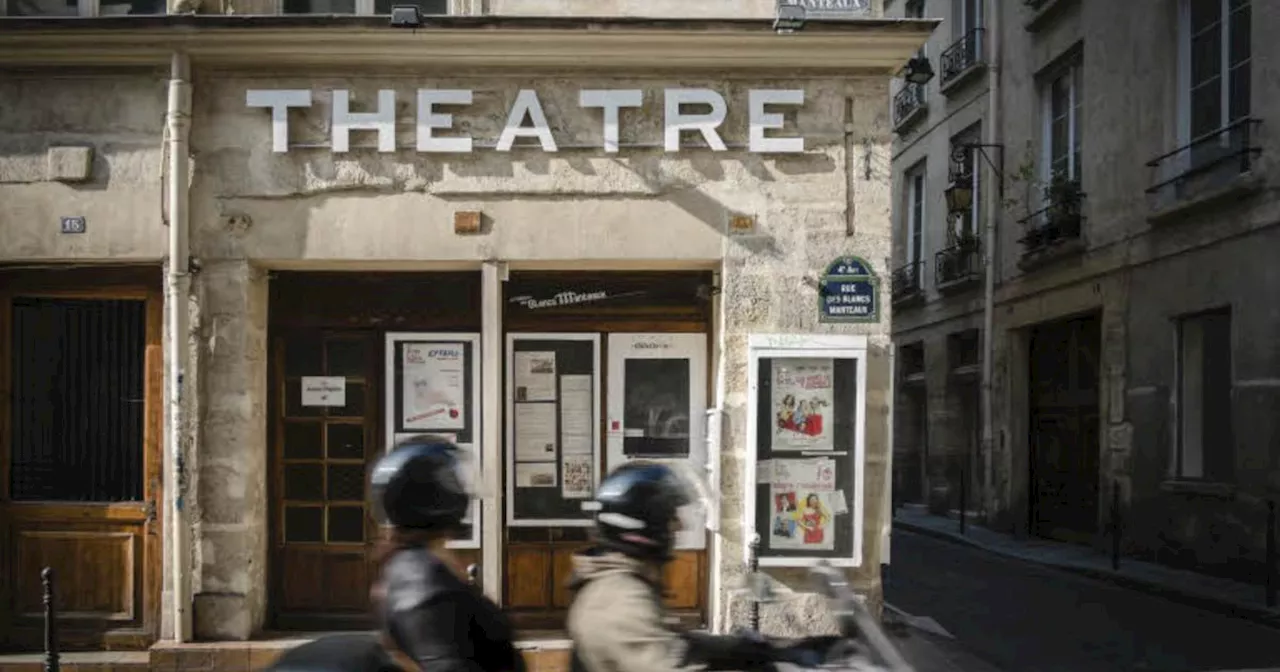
[{"x": 831, "y": 8}]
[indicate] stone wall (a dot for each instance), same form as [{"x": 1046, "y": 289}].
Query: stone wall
[{"x": 251, "y": 206}]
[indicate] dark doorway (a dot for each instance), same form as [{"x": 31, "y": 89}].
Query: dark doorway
[{"x": 1064, "y": 400}]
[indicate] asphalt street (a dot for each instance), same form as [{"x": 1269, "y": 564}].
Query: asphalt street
[{"x": 1021, "y": 617}]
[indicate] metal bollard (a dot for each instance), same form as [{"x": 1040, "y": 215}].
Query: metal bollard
[
  {"x": 1273, "y": 581},
  {"x": 964, "y": 498},
  {"x": 753, "y": 567},
  {"x": 1115, "y": 525},
  {"x": 51, "y": 663}
]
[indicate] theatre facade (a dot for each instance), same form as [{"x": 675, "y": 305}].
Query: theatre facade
[{"x": 242, "y": 259}]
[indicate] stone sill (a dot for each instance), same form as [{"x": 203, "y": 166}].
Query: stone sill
[
  {"x": 915, "y": 298},
  {"x": 1047, "y": 254},
  {"x": 962, "y": 78},
  {"x": 1044, "y": 13},
  {"x": 908, "y": 122},
  {"x": 960, "y": 284},
  {"x": 967, "y": 371},
  {"x": 1239, "y": 188},
  {"x": 1203, "y": 488}
]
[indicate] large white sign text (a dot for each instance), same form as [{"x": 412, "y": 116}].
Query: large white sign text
[{"x": 431, "y": 121}]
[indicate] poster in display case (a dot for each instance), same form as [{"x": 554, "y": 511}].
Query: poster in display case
[
  {"x": 805, "y": 435},
  {"x": 433, "y": 387},
  {"x": 656, "y": 410},
  {"x": 553, "y": 428}
]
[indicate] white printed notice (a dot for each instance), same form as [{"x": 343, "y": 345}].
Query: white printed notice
[
  {"x": 576, "y": 418},
  {"x": 324, "y": 391},
  {"x": 578, "y": 476},
  {"x": 805, "y": 500},
  {"x": 535, "y": 432},
  {"x": 536, "y": 475},
  {"x": 802, "y": 398},
  {"x": 535, "y": 374},
  {"x": 433, "y": 390}
]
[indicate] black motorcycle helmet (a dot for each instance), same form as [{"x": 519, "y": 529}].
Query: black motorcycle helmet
[
  {"x": 636, "y": 510},
  {"x": 421, "y": 485}
]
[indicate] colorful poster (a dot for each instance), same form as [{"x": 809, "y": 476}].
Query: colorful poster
[
  {"x": 433, "y": 390},
  {"x": 805, "y": 504},
  {"x": 802, "y": 400}
]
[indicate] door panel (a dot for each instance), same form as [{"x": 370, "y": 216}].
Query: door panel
[
  {"x": 657, "y": 403},
  {"x": 1065, "y": 440},
  {"x": 320, "y": 461},
  {"x": 81, "y": 376}
]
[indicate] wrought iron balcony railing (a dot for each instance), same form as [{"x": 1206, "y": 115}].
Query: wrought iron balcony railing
[
  {"x": 908, "y": 281},
  {"x": 1214, "y": 157},
  {"x": 907, "y": 102},
  {"x": 958, "y": 264},
  {"x": 965, "y": 53},
  {"x": 1051, "y": 226}
]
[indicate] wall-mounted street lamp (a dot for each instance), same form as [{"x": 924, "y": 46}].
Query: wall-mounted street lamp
[
  {"x": 959, "y": 193},
  {"x": 918, "y": 70}
]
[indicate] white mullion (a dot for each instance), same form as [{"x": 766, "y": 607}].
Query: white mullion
[
  {"x": 364, "y": 7},
  {"x": 1071, "y": 122},
  {"x": 88, "y": 7}
]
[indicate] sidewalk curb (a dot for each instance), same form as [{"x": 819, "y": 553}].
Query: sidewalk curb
[{"x": 1259, "y": 615}]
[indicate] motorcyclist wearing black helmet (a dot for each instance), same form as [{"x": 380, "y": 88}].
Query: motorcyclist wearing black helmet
[
  {"x": 428, "y": 610},
  {"x": 617, "y": 618}
]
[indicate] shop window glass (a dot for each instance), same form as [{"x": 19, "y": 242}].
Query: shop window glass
[
  {"x": 304, "y": 524},
  {"x": 345, "y": 483},
  {"x": 345, "y": 442},
  {"x": 346, "y": 525},
  {"x": 302, "y": 440},
  {"x": 303, "y": 483}
]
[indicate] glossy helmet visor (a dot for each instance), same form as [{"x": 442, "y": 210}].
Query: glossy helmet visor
[
  {"x": 425, "y": 483},
  {"x": 641, "y": 507}
]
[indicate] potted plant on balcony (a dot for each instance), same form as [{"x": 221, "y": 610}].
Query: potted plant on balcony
[{"x": 1062, "y": 218}]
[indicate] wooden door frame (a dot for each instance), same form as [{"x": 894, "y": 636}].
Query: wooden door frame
[{"x": 100, "y": 283}]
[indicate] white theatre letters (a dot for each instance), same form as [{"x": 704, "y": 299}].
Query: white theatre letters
[{"x": 527, "y": 106}]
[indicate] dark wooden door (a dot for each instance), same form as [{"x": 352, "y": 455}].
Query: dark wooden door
[
  {"x": 80, "y": 489},
  {"x": 1064, "y": 385},
  {"x": 320, "y": 459}
]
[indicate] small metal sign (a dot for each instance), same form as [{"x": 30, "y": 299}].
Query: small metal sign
[
  {"x": 73, "y": 225},
  {"x": 831, "y": 8},
  {"x": 849, "y": 291}
]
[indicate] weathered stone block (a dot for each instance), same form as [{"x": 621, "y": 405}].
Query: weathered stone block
[{"x": 69, "y": 164}]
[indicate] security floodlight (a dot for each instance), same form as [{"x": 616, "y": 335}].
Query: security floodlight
[
  {"x": 406, "y": 16},
  {"x": 790, "y": 18}
]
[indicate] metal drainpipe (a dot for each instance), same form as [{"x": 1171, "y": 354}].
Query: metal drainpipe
[
  {"x": 996, "y": 209},
  {"x": 177, "y": 287}
]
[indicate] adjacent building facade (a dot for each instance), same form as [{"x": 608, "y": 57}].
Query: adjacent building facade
[
  {"x": 1112, "y": 163},
  {"x": 246, "y": 252}
]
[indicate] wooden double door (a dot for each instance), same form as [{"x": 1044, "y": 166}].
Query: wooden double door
[
  {"x": 81, "y": 418},
  {"x": 323, "y": 531}
]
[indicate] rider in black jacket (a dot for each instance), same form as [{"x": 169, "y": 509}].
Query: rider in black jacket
[{"x": 428, "y": 610}]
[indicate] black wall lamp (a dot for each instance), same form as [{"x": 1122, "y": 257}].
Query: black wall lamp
[{"x": 918, "y": 70}]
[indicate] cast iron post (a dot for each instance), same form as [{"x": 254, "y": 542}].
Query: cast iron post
[
  {"x": 1272, "y": 579},
  {"x": 1115, "y": 525},
  {"x": 50, "y": 623},
  {"x": 753, "y": 566}
]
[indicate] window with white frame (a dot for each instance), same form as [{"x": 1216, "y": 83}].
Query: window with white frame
[
  {"x": 1062, "y": 103},
  {"x": 427, "y": 7},
  {"x": 1205, "y": 438},
  {"x": 915, "y": 188},
  {"x": 1216, "y": 66},
  {"x": 966, "y": 16}
]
